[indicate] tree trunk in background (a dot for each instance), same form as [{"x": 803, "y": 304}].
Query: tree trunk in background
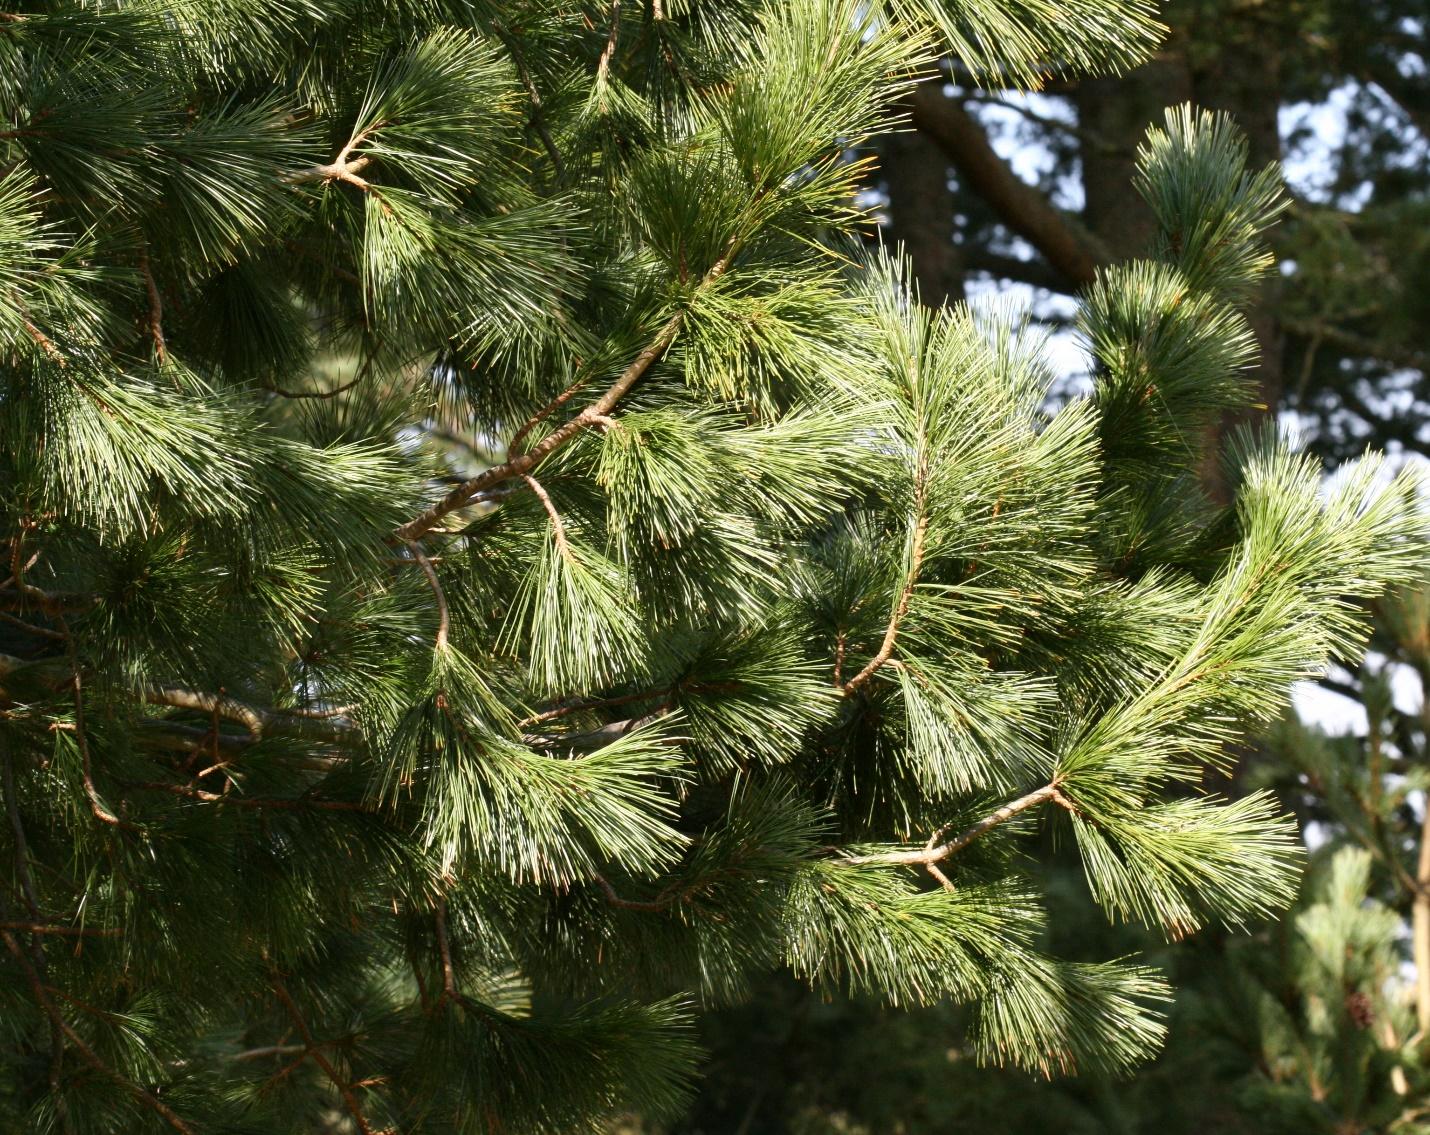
[
  {"x": 921, "y": 214},
  {"x": 1244, "y": 79},
  {"x": 1114, "y": 115}
]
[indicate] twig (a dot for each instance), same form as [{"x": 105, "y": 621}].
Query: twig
[
  {"x": 938, "y": 852},
  {"x": 444, "y": 948},
  {"x": 443, "y": 617},
  {"x": 63, "y": 931},
  {"x": 600, "y": 703},
  {"x": 298, "y": 803},
  {"x": 538, "y": 112},
  {"x": 96, "y": 804},
  {"x": 269, "y": 1050},
  {"x": 603, "y": 65},
  {"x": 901, "y": 606},
  {"x": 43, "y": 341},
  {"x": 29, "y": 627},
  {"x": 524, "y": 462},
  {"x": 312, "y": 1049},
  {"x": 630, "y": 904},
  {"x": 514, "y": 446},
  {"x": 156, "y": 306},
  {"x": 558, "y": 529}
]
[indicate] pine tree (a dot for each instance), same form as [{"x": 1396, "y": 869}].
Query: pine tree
[{"x": 491, "y": 565}]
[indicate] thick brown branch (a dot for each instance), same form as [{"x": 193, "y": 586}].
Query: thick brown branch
[{"x": 1072, "y": 252}]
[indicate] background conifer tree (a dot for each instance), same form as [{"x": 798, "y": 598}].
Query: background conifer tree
[{"x": 490, "y": 566}]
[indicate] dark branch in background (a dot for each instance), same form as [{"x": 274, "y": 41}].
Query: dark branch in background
[
  {"x": 1073, "y": 253},
  {"x": 156, "y": 306},
  {"x": 538, "y": 112},
  {"x": 1035, "y": 273}
]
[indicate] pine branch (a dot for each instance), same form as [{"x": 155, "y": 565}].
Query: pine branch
[
  {"x": 592, "y": 415},
  {"x": 444, "y": 622},
  {"x": 156, "y": 305},
  {"x": 314, "y": 1051},
  {"x": 939, "y": 852}
]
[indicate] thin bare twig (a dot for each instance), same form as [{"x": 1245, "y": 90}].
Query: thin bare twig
[
  {"x": 156, "y": 306},
  {"x": 524, "y": 462},
  {"x": 96, "y": 803},
  {"x": 444, "y": 622},
  {"x": 935, "y": 852},
  {"x": 901, "y": 606},
  {"x": 313, "y": 1050},
  {"x": 558, "y": 529},
  {"x": 514, "y": 446},
  {"x": 630, "y": 904}
]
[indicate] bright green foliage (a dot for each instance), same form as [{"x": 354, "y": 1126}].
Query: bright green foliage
[{"x": 490, "y": 568}]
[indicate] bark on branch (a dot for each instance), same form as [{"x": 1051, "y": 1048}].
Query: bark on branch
[
  {"x": 940, "y": 851},
  {"x": 1074, "y": 253}
]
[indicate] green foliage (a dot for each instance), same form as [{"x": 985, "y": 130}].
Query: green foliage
[{"x": 489, "y": 569}]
